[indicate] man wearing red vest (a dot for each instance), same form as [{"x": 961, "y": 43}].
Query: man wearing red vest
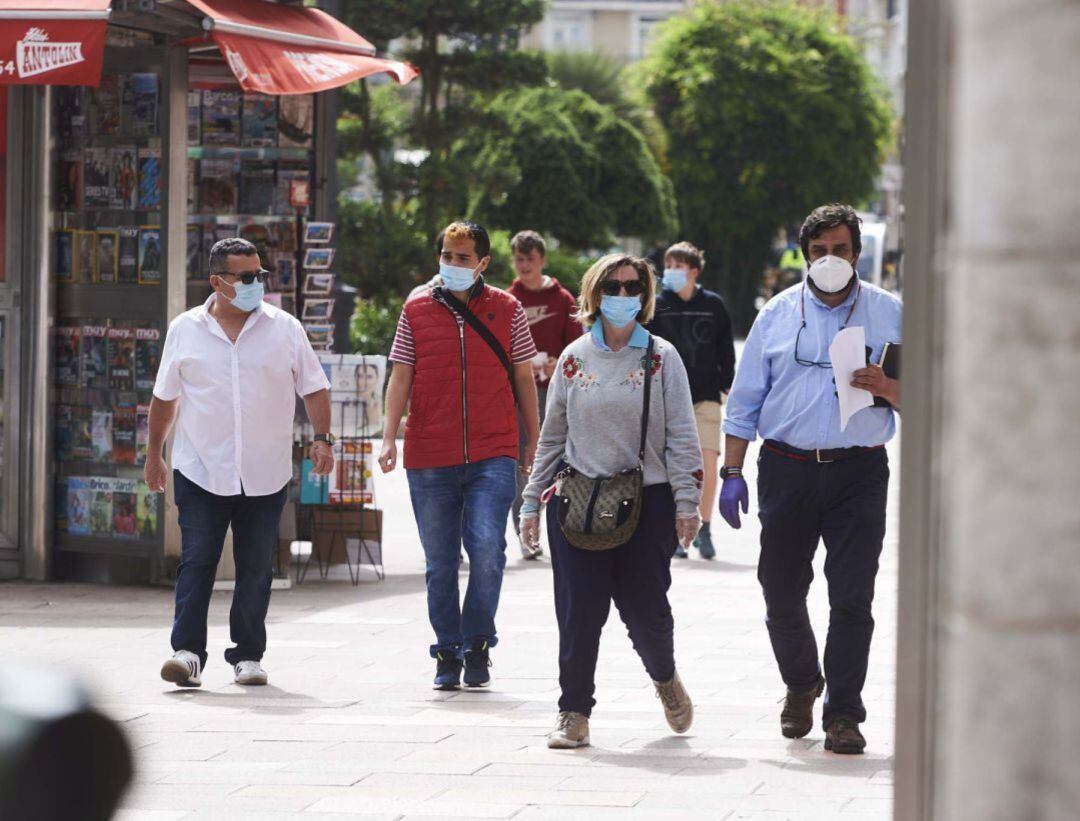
[{"x": 461, "y": 357}]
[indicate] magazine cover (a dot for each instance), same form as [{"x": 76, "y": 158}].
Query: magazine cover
[
  {"x": 101, "y": 506},
  {"x": 64, "y": 433},
  {"x": 221, "y": 118},
  {"x": 318, "y": 284},
  {"x": 97, "y": 180},
  {"x": 147, "y": 512},
  {"x": 107, "y": 256},
  {"x": 142, "y": 432},
  {"x": 259, "y": 236},
  {"x": 121, "y": 358},
  {"x": 82, "y": 440},
  {"x": 318, "y": 258},
  {"x": 147, "y": 357},
  {"x": 194, "y": 252},
  {"x": 194, "y": 117},
  {"x": 124, "y": 504},
  {"x": 192, "y": 185},
  {"x": 150, "y": 180},
  {"x": 128, "y": 255},
  {"x": 69, "y": 180},
  {"x": 125, "y": 180},
  {"x": 144, "y": 104},
  {"x": 217, "y": 187},
  {"x": 317, "y": 232},
  {"x": 66, "y": 355},
  {"x": 106, "y": 103},
  {"x": 285, "y": 175},
  {"x": 149, "y": 255},
  {"x": 64, "y": 261},
  {"x": 283, "y": 234},
  {"x": 296, "y": 120},
  {"x": 79, "y": 499},
  {"x": 95, "y": 360},
  {"x": 288, "y": 303},
  {"x": 284, "y": 272},
  {"x": 101, "y": 440},
  {"x": 70, "y": 111},
  {"x": 256, "y": 188},
  {"x": 259, "y": 125},
  {"x": 124, "y": 434},
  {"x": 60, "y": 503},
  {"x": 83, "y": 256},
  {"x": 314, "y": 489},
  {"x": 318, "y": 310}
]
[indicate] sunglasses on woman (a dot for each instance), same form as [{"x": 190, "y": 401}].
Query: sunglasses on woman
[
  {"x": 612, "y": 287},
  {"x": 247, "y": 277}
]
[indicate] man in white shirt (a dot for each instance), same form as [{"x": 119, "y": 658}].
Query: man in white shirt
[{"x": 228, "y": 373}]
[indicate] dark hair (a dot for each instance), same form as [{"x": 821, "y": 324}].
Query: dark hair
[
  {"x": 229, "y": 247},
  {"x": 480, "y": 238},
  {"x": 525, "y": 242},
  {"x": 688, "y": 253},
  {"x": 823, "y": 218}
]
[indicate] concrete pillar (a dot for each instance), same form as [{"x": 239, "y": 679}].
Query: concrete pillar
[{"x": 989, "y": 668}]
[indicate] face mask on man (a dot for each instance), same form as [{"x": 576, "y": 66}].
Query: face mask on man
[
  {"x": 247, "y": 297},
  {"x": 455, "y": 278},
  {"x": 675, "y": 279},
  {"x": 620, "y": 311},
  {"x": 831, "y": 274}
]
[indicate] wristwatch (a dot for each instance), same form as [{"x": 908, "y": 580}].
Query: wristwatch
[
  {"x": 726, "y": 472},
  {"x": 325, "y": 437}
]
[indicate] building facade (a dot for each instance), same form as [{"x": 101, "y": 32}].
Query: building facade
[{"x": 622, "y": 29}]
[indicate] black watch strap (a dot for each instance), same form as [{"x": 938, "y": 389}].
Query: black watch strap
[
  {"x": 324, "y": 437},
  {"x": 727, "y": 472}
]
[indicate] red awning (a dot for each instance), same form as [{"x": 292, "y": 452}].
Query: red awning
[
  {"x": 276, "y": 49},
  {"x": 52, "y": 42}
]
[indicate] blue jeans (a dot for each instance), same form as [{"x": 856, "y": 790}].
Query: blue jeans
[
  {"x": 463, "y": 504},
  {"x": 204, "y": 519}
]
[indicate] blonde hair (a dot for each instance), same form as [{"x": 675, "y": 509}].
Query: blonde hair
[{"x": 589, "y": 301}]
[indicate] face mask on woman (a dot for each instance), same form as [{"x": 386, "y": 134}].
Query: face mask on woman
[{"x": 620, "y": 311}]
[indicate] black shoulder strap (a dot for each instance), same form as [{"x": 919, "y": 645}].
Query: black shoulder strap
[
  {"x": 648, "y": 385},
  {"x": 462, "y": 310}
]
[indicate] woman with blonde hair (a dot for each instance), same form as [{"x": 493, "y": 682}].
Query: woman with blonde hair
[{"x": 620, "y": 462}]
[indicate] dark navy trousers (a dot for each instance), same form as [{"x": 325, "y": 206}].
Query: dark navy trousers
[
  {"x": 636, "y": 576},
  {"x": 842, "y": 504}
]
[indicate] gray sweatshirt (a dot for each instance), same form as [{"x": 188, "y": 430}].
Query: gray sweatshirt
[{"x": 593, "y": 420}]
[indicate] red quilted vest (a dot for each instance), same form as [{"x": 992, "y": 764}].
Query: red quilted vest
[{"x": 462, "y": 408}]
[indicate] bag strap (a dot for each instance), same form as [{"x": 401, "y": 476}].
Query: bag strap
[
  {"x": 484, "y": 332},
  {"x": 648, "y": 384}
]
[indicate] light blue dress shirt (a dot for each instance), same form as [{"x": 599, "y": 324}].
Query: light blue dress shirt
[
  {"x": 779, "y": 399},
  {"x": 638, "y": 339}
]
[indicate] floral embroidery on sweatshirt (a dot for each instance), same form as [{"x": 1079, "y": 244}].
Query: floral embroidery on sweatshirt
[
  {"x": 574, "y": 370},
  {"x": 636, "y": 378}
]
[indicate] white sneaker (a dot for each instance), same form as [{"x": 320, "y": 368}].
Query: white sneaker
[
  {"x": 183, "y": 669},
  {"x": 249, "y": 673}
]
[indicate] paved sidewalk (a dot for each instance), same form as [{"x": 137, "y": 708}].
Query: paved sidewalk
[{"x": 349, "y": 727}]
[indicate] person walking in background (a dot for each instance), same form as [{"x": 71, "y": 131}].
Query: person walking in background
[
  {"x": 229, "y": 371},
  {"x": 550, "y": 309},
  {"x": 696, "y": 322},
  {"x": 816, "y": 481},
  {"x": 461, "y": 355},
  {"x": 596, "y": 414}
]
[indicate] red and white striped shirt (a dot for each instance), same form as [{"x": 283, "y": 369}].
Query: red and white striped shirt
[{"x": 522, "y": 347}]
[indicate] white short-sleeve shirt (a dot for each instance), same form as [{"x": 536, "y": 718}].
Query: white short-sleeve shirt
[{"x": 234, "y": 428}]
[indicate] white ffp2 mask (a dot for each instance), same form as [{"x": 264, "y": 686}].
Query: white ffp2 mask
[{"x": 831, "y": 274}]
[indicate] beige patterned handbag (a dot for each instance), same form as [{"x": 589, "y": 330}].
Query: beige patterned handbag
[{"x": 603, "y": 513}]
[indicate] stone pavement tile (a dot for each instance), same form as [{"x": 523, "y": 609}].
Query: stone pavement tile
[
  {"x": 616, "y": 814},
  {"x": 866, "y": 806},
  {"x": 271, "y": 751},
  {"x": 150, "y": 815},
  {"x": 161, "y": 796},
  {"x": 270, "y": 815},
  {"x": 405, "y": 808},
  {"x": 338, "y": 778},
  {"x": 561, "y": 798},
  {"x": 398, "y": 781}
]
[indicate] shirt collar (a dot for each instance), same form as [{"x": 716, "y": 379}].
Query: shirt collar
[
  {"x": 638, "y": 339},
  {"x": 204, "y": 315}
]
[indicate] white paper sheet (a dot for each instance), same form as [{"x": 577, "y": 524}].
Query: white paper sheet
[{"x": 848, "y": 354}]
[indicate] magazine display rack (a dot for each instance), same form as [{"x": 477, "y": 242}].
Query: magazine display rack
[{"x": 338, "y": 510}]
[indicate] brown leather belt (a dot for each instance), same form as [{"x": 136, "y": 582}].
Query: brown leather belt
[{"x": 819, "y": 456}]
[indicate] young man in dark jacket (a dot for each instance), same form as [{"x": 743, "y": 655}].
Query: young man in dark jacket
[{"x": 696, "y": 322}]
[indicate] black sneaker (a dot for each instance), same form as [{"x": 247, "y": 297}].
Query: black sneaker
[
  {"x": 447, "y": 671},
  {"x": 477, "y": 663}
]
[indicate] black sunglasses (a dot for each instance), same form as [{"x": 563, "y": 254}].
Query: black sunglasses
[
  {"x": 613, "y": 287},
  {"x": 247, "y": 277}
]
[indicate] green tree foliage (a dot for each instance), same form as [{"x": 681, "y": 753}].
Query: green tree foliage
[
  {"x": 770, "y": 111},
  {"x": 563, "y": 164},
  {"x": 373, "y": 325}
]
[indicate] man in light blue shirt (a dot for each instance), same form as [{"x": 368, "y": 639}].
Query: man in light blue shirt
[{"x": 816, "y": 482}]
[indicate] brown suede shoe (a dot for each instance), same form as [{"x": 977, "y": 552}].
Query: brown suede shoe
[
  {"x": 843, "y": 737},
  {"x": 797, "y": 717}
]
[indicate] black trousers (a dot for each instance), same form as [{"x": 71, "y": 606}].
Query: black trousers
[
  {"x": 636, "y": 575},
  {"x": 843, "y": 504}
]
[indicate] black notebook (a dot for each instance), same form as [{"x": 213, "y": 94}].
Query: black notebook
[{"x": 890, "y": 363}]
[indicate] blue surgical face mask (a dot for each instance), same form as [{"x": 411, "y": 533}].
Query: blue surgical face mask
[
  {"x": 247, "y": 297},
  {"x": 674, "y": 279},
  {"x": 456, "y": 278},
  {"x": 620, "y": 311}
]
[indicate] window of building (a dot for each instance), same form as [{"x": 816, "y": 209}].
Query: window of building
[
  {"x": 644, "y": 33},
  {"x": 568, "y": 31}
]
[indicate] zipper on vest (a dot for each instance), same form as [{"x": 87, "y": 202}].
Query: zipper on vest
[{"x": 464, "y": 393}]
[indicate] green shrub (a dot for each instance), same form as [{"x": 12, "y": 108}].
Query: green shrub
[{"x": 373, "y": 324}]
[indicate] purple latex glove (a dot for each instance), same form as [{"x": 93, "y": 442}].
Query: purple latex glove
[{"x": 732, "y": 494}]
